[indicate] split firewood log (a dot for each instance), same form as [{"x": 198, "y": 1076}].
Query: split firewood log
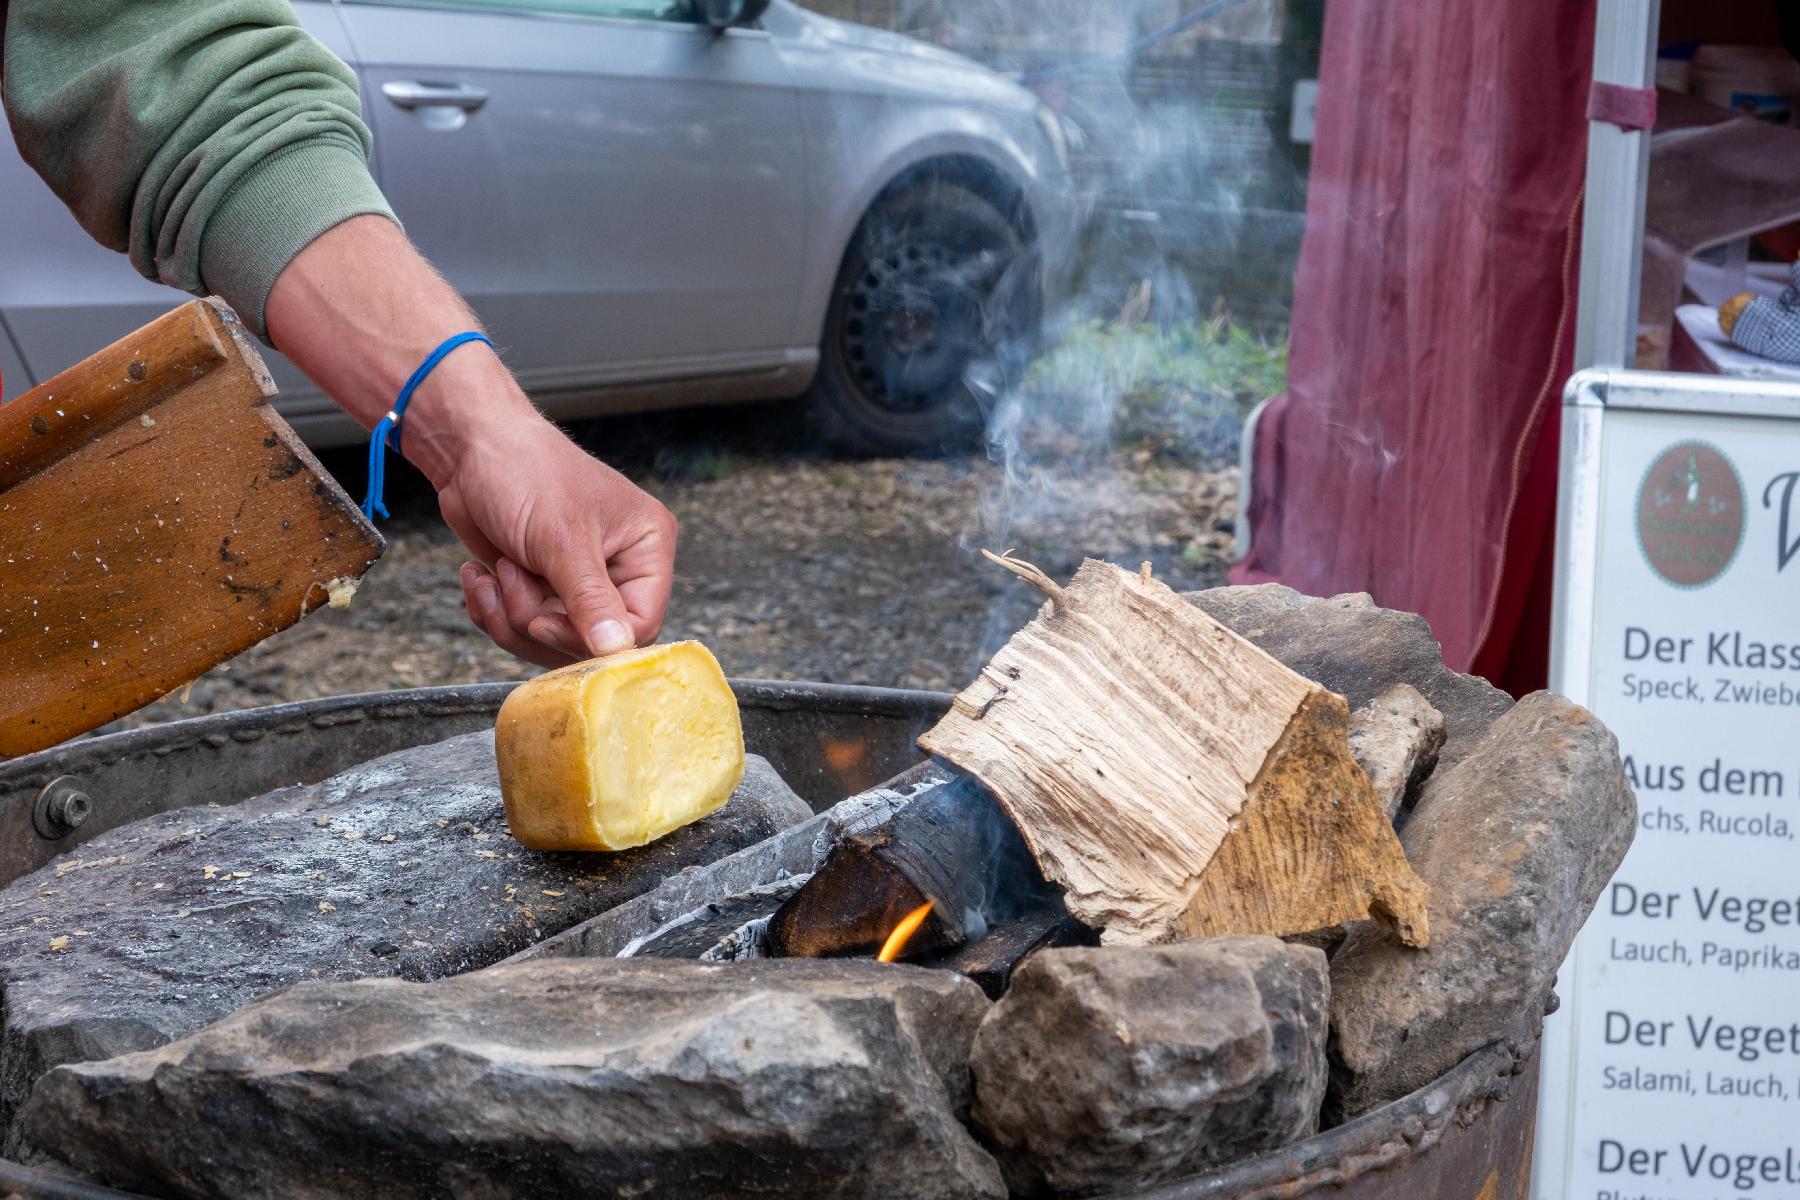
[{"x": 1175, "y": 780}]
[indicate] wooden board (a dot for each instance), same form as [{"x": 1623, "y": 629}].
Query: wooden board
[
  {"x": 1174, "y": 779},
  {"x": 156, "y": 517}
]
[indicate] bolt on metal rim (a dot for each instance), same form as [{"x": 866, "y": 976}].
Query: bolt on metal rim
[{"x": 61, "y": 808}]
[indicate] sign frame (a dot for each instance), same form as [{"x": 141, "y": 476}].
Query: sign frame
[{"x": 1587, "y": 400}]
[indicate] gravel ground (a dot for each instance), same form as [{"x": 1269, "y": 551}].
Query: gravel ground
[{"x": 792, "y": 565}]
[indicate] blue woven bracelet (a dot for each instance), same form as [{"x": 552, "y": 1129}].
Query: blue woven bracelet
[{"x": 387, "y": 430}]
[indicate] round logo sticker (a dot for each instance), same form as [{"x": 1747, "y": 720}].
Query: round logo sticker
[{"x": 1690, "y": 514}]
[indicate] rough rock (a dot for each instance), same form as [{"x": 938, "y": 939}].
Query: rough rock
[
  {"x": 1396, "y": 738},
  {"x": 1113, "y": 1068},
  {"x": 1516, "y": 842},
  {"x": 1359, "y": 651},
  {"x": 558, "y": 1078},
  {"x": 692, "y": 935},
  {"x": 732, "y": 882},
  {"x": 401, "y": 867}
]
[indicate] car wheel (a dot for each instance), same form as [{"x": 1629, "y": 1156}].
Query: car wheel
[{"x": 935, "y": 282}]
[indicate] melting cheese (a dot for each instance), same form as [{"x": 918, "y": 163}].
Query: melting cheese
[{"x": 619, "y": 751}]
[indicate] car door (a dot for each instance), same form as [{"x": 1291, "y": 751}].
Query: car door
[
  {"x": 63, "y": 295},
  {"x": 617, "y": 189}
]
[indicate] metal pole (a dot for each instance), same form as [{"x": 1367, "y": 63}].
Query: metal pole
[
  {"x": 1618, "y": 170},
  {"x": 1606, "y": 320}
]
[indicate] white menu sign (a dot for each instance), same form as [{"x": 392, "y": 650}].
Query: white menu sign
[{"x": 1673, "y": 1072}]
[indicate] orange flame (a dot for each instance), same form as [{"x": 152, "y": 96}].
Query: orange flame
[{"x": 909, "y": 925}]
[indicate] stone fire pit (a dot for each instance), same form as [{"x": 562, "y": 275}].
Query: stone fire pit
[{"x": 364, "y": 987}]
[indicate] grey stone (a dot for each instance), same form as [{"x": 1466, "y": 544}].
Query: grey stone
[
  {"x": 693, "y": 934},
  {"x": 1395, "y": 738},
  {"x": 740, "y": 883},
  {"x": 1358, "y": 650},
  {"x": 399, "y": 867},
  {"x": 1516, "y": 842},
  {"x": 590, "y": 1077},
  {"x": 738, "y": 877},
  {"x": 1111, "y": 1068}
]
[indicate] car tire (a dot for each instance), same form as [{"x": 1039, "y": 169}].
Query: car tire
[{"x": 935, "y": 282}]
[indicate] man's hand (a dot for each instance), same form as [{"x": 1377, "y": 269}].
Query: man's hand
[
  {"x": 572, "y": 559},
  {"x": 579, "y": 561}
]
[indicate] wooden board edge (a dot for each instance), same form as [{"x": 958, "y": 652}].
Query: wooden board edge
[
  {"x": 108, "y": 388},
  {"x": 230, "y": 331}
]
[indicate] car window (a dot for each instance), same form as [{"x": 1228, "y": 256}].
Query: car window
[{"x": 681, "y": 11}]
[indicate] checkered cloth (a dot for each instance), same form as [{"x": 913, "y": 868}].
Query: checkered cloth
[{"x": 1771, "y": 328}]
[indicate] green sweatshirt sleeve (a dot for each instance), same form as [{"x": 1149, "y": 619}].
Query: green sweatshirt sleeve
[{"x": 211, "y": 140}]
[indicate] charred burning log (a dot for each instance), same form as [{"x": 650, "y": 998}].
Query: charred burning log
[{"x": 952, "y": 847}]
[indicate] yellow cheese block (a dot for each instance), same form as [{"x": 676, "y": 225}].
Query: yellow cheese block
[{"x": 618, "y": 751}]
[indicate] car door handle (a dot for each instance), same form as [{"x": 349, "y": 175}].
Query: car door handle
[{"x": 409, "y": 93}]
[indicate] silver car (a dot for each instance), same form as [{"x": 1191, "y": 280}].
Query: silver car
[{"x": 655, "y": 203}]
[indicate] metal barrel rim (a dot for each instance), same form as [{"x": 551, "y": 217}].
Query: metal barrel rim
[{"x": 1447, "y": 1130}]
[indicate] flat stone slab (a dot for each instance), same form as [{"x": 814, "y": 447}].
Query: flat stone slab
[
  {"x": 574, "y": 1077},
  {"x": 400, "y": 867}
]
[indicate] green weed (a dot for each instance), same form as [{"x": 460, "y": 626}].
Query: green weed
[{"x": 1185, "y": 387}]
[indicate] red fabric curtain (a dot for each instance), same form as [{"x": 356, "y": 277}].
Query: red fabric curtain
[{"x": 1414, "y": 455}]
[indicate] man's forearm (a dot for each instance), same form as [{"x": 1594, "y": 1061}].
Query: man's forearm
[
  {"x": 223, "y": 149},
  {"x": 358, "y": 310},
  {"x": 578, "y": 560}
]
